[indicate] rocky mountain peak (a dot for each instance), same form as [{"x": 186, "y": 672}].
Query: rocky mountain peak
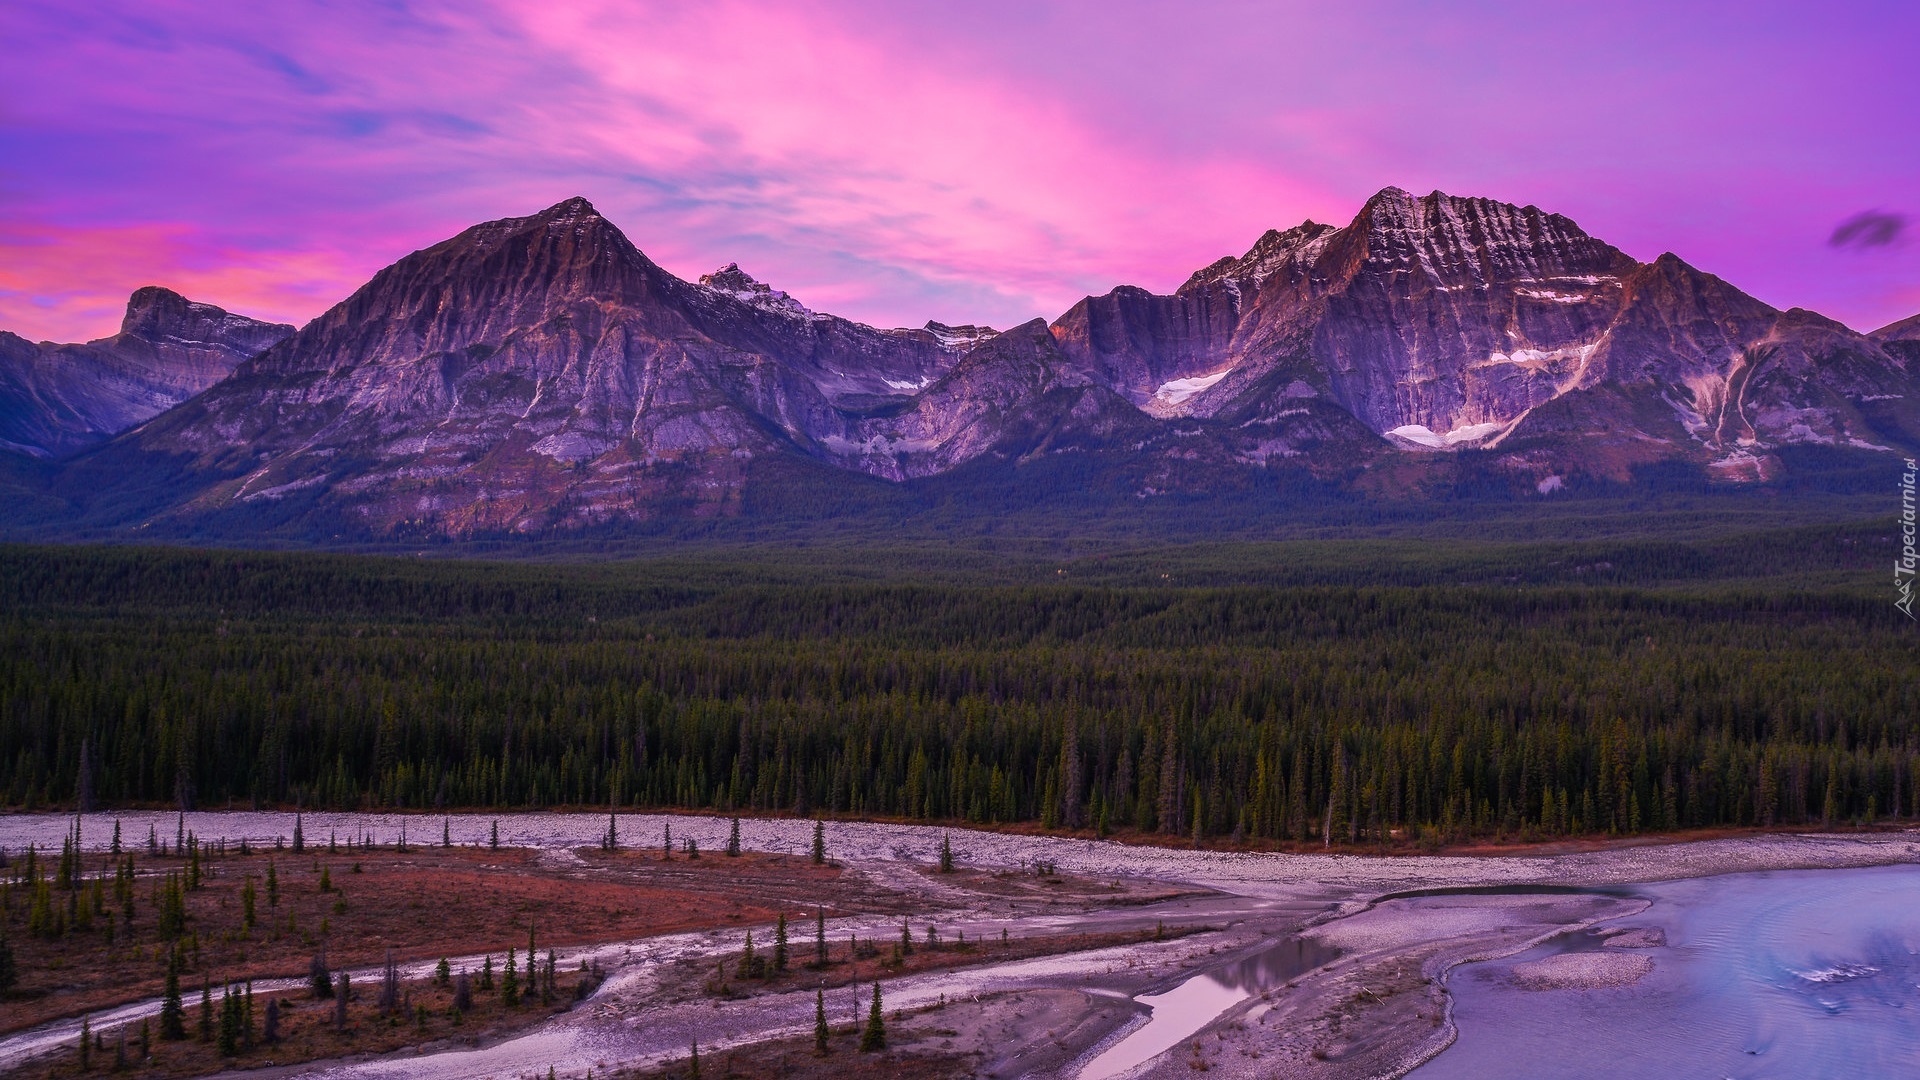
[
  {"x": 1457, "y": 241},
  {"x": 1274, "y": 251},
  {"x": 964, "y": 336},
  {"x": 158, "y": 315},
  {"x": 742, "y": 286}
]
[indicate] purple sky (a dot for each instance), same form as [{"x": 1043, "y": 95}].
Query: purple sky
[{"x": 896, "y": 162}]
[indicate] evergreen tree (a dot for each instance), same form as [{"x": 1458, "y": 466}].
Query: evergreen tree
[
  {"x": 733, "y": 839},
  {"x": 820, "y": 1021},
  {"x": 874, "y": 1037},
  {"x": 340, "y": 998},
  {"x": 319, "y": 979},
  {"x": 820, "y": 937},
  {"x": 229, "y": 1037},
  {"x": 273, "y": 885},
  {"x": 486, "y": 975},
  {"x": 270, "y": 1032},
  {"x": 9, "y": 971},
  {"x": 493, "y": 838},
  {"x": 446, "y": 832},
  {"x": 299, "y": 836},
  {"x": 86, "y": 1044},
  {"x": 946, "y": 854},
  {"x": 510, "y": 983},
  {"x": 819, "y": 854},
  {"x": 780, "y": 943},
  {"x": 173, "y": 1014},
  {"x": 749, "y": 966},
  {"x": 693, "y": 1063},
  {"x": 246, "y": 905}
]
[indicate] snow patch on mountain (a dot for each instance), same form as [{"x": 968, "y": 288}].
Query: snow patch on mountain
[
  {"x": 1175, "y": 391},
  {"x": 1419, "y": 435}
]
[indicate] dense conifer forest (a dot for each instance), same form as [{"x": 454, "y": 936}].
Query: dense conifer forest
[{"x": 1352, "y": 691}]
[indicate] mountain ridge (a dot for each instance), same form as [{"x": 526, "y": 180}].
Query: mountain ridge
[{"x": 540, "y": 371}]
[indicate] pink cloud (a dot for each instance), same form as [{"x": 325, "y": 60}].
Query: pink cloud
[{"x": 982, "y": 162}]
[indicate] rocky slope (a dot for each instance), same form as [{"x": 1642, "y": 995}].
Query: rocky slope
[
  {"x": 55, "y": 399},
  {"x": 533, "y": 370},
  {"x": 541, "y": 371}
]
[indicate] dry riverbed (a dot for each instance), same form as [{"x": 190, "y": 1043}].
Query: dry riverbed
[{"x": 1077, "y": 954}]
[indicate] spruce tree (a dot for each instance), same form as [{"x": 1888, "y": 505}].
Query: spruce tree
[
  {"x": 666, "y": 842},
  {"x": 173, "y": 1014},
  {"x": 510, "y": 983},
  {"x": 946, "y": 854},
  {"x": 9, "y": 971},
  {"x": 875, "y": 1036},
  {"x": 693, "y": 1063},
  {"x": 270, "y": 1033},
  {"x": 733, "y": 840},
  {"x": 86, "y": 1043},
  {"x": 299, "y": 837},
  {"x": 493, "y": 838},
  {"x": 746, "y": 967},
  {"x": 229, "y": 1039},
  {"x": 780, "y": 943},
  {"x": 820, "y": 937},
  {"x": 273, "y": 885},
  {"x": 206, "y": 1010},
  {"x": 820, "y": 1021},
  {"x": 446, "y": 832},
  {"x": 319, "y": 979},
  {"x": 819, "y": 853}
]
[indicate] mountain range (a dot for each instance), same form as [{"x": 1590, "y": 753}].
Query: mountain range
[{"x": 541, "y": 372}]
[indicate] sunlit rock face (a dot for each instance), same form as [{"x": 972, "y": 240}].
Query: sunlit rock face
[
  {"x": 542, "y": 372},
  {"x": 1444, "y": 323},
  {"x": 55, "y": 399}
]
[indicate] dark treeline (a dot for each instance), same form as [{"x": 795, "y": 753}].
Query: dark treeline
[{"x": 1269, "y": 713}]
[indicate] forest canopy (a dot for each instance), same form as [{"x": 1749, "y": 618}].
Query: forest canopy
[{"x": 1264, "y": 692}]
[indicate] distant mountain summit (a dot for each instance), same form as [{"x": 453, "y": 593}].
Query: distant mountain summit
[
  {"x": 542, "y": 372},
  {"x": 55, "y": 399}
]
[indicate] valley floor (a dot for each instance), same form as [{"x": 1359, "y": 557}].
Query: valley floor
[{"x": 1330, "y": 965}]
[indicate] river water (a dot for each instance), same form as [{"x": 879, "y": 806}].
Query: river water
[{"x": 1790, "y": 974}]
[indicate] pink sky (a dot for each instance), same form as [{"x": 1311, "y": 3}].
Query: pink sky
[{"x": 895, "y": 162}]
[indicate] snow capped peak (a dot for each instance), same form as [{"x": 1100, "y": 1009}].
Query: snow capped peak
[
  {"x": 572, "y": 209},
  {"x": 1273, "y": 251},
  {"x": 962, "y": 337},
  {"x": 732, "y": 281}
]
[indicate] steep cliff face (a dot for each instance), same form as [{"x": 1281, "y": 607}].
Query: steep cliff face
[{"x": 55, "y": 399}]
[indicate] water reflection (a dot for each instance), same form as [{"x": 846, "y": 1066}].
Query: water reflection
[
  {"x": 1195, "y": 1003},
  {"x": 1789, "y": 974}
]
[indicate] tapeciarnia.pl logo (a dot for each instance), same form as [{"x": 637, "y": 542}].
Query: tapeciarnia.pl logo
[{"x": 1903, "y": 567}]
